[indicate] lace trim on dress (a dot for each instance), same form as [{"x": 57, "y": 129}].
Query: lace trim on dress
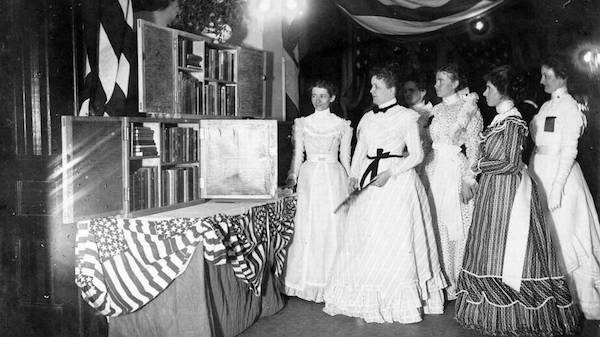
[{"x": 338, "y": 128}]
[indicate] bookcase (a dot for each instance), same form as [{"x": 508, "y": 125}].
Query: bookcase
[
  {"x": 137, "y": 166},
  {"x": 183, "y": 75}
]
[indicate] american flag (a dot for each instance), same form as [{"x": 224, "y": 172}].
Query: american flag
[
  {"x": 409, "y": 17},
  {"x": 123, "y": 264},
  {"x": 110, "y": 48},
  {"x": 291, "y": 33}
]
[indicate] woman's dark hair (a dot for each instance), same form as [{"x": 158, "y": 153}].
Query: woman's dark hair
[
  {"x": 388, "y": 73},
  {"x": 422, "y": 83},
  {"x": 327, "y": 85},
  {"x": 508, "y": 82},
  {"x": 151, "y": 5},
  {"x": 455, "y": 73},
  {"x": 558, "y": 64},
  {"x": 419, "y": 80}
]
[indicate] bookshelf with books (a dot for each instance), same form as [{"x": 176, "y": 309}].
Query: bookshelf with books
[
  {"x": 202, "y": 74},
  {"x": 183, "y": 75},
  {"x": 129, "y": 166},
  {"x": 135, "y": 166}
]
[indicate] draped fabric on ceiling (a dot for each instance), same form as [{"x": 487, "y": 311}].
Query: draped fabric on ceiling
[{"x": 410, "y": 17}]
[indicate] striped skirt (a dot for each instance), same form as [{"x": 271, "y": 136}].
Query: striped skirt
[{"x": 543, "y": 305}]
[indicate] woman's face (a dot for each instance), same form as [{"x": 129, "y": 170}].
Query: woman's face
[
  {"x": 380, "y": 92},
  {"x": 412, "y": 94},
  {"x": 550, "y": 81},
  {"x": 172, "y": 10},
  {"x": 492, "y": 95},
  {"x": 320, "y": 98},
  {"x": 444, "y": 85}
]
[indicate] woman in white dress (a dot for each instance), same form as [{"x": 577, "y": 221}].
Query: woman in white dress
[
  {"x": 571, "y": 212},
  {"x": 456, "y": 123},
  {"x": 387, "y": 268},
  {"x": 322, "y": 184}
]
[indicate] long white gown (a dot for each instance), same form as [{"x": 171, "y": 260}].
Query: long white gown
[
  {"x": 456, "y": 122},
  {"x": 322, "y": 186},
  {"x": 556, "y": 130},
  {"x": 387, "y": 269}
]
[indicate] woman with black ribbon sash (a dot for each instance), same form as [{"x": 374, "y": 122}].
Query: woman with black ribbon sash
[{"x": 387, "y": 267}]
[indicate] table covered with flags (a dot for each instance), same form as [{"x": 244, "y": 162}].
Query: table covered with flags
[{"x": 211, "y": 269}]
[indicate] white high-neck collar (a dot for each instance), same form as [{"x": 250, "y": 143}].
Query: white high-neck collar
[
  {"x": 322, "y": 112},
  {"x": 559, "y": 92},
  {"x": 504, "y": 106},
  {"x": 504, "y": 110},
  {"x": 450, "y": 99},
  {"x": 388, "y": 103},
  {"x": 422, "y": 105}
]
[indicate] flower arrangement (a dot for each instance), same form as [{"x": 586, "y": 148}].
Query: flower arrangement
[{"x": 217, "y": 19}]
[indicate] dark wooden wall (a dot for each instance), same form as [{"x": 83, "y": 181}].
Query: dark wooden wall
[{"x": 39, "y": 63}]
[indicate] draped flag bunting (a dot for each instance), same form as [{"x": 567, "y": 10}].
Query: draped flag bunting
[
  {"x": 110, "y": 48},
  {"x": 409, "y": 17},
  {"x": 122, "y": 264},
  {"x": 291, "y": 32}
]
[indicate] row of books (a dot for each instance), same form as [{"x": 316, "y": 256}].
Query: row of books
[
  {"x": 220, "y": 99},
  {"x": 211, "y": 98},
  {"x": 180, "y": 185},
  {"x": 143, "y": 191},
  {"x": 189, "y": 54},
  {"x": 142, "y": 142},
  {"x": 191, "y": 95},
  {"x": 220, "y": 64},
  {"x": 179, "y": 145}
]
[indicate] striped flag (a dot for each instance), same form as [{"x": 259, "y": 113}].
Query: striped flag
[
  {"x": 409, "y": 17},
  {"x": 110, "y": 48},
  {"x": 123, "y": 264},
  {"x": 291, "y": 33}
]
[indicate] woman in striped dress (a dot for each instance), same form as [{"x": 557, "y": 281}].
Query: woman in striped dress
[{"x": 510, "y": 282}]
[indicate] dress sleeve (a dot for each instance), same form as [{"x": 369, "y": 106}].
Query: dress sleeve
[
  {"x": 572, "y": 122},
  {"x": 472, "y": 139},
  {"x": 413, "y": 145},
  {"x": 345, "y": 146},
  {"x": 298, "y": 156},
  {"x": 512, "y": 143},
  {"x": 360, "y": 152}
]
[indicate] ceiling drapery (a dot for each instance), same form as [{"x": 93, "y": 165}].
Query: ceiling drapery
[{"x": 410, "y": 17}]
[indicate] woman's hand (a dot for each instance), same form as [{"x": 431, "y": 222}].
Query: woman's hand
[
  {"x": 467, "y": 191},
  {"x": 290, "y": 182},
  {"x": 352, "y": 184},
  {"x": 555, "y": 198},
  {"x": 382, "y": 178}
]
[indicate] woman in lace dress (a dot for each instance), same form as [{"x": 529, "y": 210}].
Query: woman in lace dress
[
  {"x": 556, "y": 130},
  {"x": 322, "y": 184},
  {"x": 511, "y": 283},
  {"x": 387, "y": 269},
  {"x": 456, "y": 123}
]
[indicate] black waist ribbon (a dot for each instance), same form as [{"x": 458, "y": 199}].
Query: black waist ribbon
[{"x": 372, "y": 169}]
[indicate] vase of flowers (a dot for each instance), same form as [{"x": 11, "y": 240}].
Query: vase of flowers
[{"x": 216, "y": 19}]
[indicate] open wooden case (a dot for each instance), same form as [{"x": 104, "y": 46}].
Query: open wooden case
[
  {"x": 136, "y": 166},
  {"x": 185, "y": 75}
]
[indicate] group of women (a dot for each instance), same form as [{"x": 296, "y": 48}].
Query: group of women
[{"x": 447, "y": 210}]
